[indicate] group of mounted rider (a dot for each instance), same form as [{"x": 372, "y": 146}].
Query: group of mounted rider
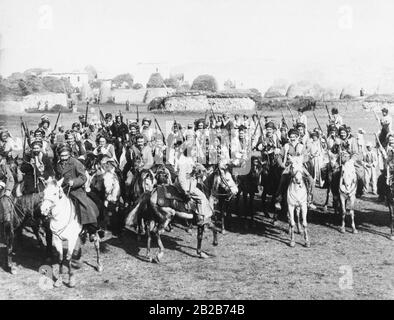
[{"x": 141, "y": 157}]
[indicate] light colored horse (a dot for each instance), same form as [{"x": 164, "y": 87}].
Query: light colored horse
[
  {"x": 347, "y": 191},
  {"x": 297, "y": 198},
  {"x": 64, "y": 224}
]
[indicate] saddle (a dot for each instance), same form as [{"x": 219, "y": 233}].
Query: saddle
[{"x": 171, "y": 196}]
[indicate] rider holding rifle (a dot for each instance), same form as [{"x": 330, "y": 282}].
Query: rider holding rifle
[{"x": 291, "y": 149}]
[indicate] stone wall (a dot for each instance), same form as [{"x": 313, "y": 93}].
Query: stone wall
[
  {"x": 31, "y": 101},
  {"x": 200, "y": 103}
]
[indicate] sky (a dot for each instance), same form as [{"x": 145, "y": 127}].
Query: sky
[{"x": 253, "y": 42}]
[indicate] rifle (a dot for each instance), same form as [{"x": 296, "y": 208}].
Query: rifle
[
  {"x": 24, "y": 140},
  {"x": 213, "y": 113},
  {"x": 320, "y": 128},
  {"x": 57, "y": 120},
  {"x": 138, "y": 115},
  {"x": 162, "y": 134},
  {"x": 292, "y": 116},
  {"x": 86, "y": 115},
  {"x": 377, "y": 139},
  {"x": 329, "y": 115},
  {"x": 283, "y": 119},
  {"x": 377, "y": 118}
]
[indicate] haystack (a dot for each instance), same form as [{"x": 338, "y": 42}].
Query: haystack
[
  {"x": 205, "y": 82},
  {"x": 304, "y": 89},
  {"x": 155, "y": 81},
  {"x": 350, "y": 92},
  {"x": 276, "y": 92}
]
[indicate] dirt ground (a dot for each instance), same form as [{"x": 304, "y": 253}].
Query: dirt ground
[{"x": 253, "y": 263}]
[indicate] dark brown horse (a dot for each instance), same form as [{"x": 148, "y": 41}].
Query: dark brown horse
[
  {"x": 15, "y": 214},
  {"x": 248, "y": 185}
]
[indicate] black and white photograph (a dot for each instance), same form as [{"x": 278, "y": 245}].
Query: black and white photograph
[{"x": 192, "y": 150}]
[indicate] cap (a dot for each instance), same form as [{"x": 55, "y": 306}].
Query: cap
[{"x": 293, "y": 131}]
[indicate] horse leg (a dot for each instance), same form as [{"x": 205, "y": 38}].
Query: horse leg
[
  {"x": 57, "y": 266},
  {"x": 291, "y": 225},
  {"x": 99, "y": 267},
  {"x": 352, "y": 215},
  {"x": 391, "y": 210},
  {"x": 343, "y": 209},
  {"x": 245, "y": 208},
  {"x": 160, "y": 255},
  {"x": 200, "y": 234},
  {"x": 148, "y": 230},
  {"x": 77, "y": 255},
  {"x": 325, "y": 210},
  {"x": 36, "y": 231},
  {"x": 251, "y": 199},
  {"x": 304, "y": 211},
  {"x": 9, "y": 241},
  {"x": 48, "y": 240},
  {"x": 72, "y": 243},
  {"x": 215, "y": 242},
  {"x": 297, "y": 214}
]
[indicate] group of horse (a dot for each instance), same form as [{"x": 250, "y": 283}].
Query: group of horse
[{"x": 151, "y": 200}]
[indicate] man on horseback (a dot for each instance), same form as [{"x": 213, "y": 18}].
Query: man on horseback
[
  {"x": 187, "y": 182},
  {"x": 291, "y": 149},
  {"x": 74, "y": 176},
  {"x": 7, "y": 181},
  {"x": 386, "y": 126},
  {"x": 36, "y": 167},
  {"x": 348, "y": 143}
]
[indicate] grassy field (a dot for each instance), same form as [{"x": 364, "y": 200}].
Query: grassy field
[{"x": 256, "y": 263}]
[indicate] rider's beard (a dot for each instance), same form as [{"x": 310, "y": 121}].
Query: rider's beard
[{"x": 36, "y": 153}]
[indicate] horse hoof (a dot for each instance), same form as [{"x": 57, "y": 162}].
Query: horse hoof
[
  {"x": 76, "y": 264},
  {"x": 72, "y": 282},
  {"x": 307, "y": 244},
  {"x": 342, "y": 230},
  {"x": 149, "y": 259},
  {"x": 58, "y": 283},
  {"x": 223, "y": 231},
  {"x": 159, "y": 257},
  {"x": 355, "y": 231},
  {"x": 391, "y": 238},
  {"x": 203, "y": 255},
  {"x": 13, "y": 270},
  {"x": 215, "y": 243},
  {"x": 292, "y": 244},
  {"x": 99, "y": 268}
]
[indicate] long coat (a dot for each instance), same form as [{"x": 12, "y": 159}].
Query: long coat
[
  {"x": 72, "y": 169},
  {"x": 31, "y": 182}
]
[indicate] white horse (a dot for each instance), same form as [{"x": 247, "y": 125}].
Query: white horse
[
  {"x": 347, "y": 191},
  {"x": 64, "y": 224},
  {"x": 297, "y": 198}
]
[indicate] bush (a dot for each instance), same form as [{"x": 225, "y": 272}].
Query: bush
[
  {"x": 205, "y": 82},
  {"x": 171, "y": 83},
  {"x": 155, "y": 81},
  {"x": 120, "y": 79},
  {"x": 137, "y": 86}
]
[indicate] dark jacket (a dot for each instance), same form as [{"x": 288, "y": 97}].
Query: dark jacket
[
  {"x": 74, "y": 170},
  {"x": 33, "y": 176}
]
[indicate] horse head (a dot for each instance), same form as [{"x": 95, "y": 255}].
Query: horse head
[
  {"x": 52, "y": 193},
  {"x": 296, "y": 169},
  {"x": 348, "y": 177},
  {"x": 224, "y": 180}
]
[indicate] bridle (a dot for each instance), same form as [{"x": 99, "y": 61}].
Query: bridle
[
  {"x": 50, "y": 216},
  {"x": 229, "y": 195}
]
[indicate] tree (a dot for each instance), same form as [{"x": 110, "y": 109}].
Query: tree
[
  {"x": 228, "y": 84},
  {"x": 171, "y": 83},
  {"x": 205, "y": 82},
  {"x": 155, "y": 81},
  {"x": 123, "y": 78},
  {"x": 137, "y": 86},
  {"x": 91, "y": 71}
]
